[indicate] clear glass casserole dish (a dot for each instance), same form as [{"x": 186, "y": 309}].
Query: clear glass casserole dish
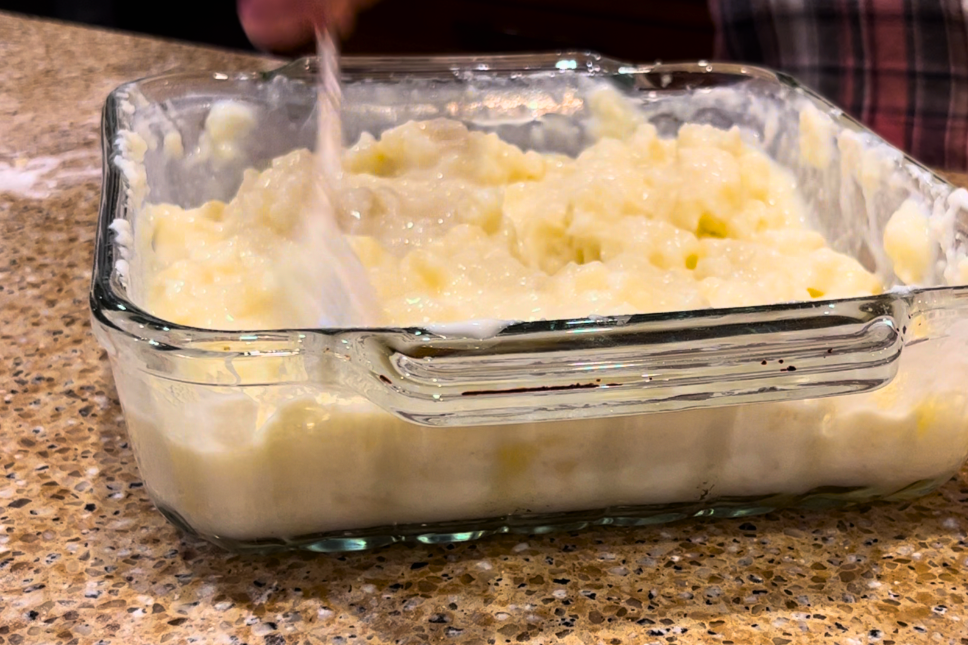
[{"x": 347, "y": 439}]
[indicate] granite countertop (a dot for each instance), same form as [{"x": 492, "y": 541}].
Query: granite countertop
[{"x": 84, "y": 557}]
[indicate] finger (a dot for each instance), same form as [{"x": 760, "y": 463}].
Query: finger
[{"x": 279, "y": 25}]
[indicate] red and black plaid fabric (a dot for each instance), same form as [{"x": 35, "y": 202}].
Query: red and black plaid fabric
[{"x": 900, "y": 66}]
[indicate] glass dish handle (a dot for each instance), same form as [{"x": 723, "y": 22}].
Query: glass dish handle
[{"x": 673, "y": 363}]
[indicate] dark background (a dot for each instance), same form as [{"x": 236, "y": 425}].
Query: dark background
[{"x": 635, "y": 30}]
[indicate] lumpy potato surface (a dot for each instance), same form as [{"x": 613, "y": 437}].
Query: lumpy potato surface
[{"x": 453, "y": 224}]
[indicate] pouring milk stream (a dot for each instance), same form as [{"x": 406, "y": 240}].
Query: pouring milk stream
[{"x": 347, "y": 298}]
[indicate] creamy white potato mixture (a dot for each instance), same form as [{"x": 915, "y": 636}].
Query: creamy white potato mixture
[
  {"x": 453, "y": 225},
  {"x": 457, "y": 225}
]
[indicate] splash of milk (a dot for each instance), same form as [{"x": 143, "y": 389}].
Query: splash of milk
[{"x": 40, "y": 177}]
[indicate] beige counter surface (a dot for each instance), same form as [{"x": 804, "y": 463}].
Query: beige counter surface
[{"x": 84, "y": 558}]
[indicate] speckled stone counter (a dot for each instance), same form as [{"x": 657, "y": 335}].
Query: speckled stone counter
[{"x": 84, "y": 558}]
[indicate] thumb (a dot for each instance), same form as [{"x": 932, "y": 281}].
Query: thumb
[{"x": 281, "y": 25}]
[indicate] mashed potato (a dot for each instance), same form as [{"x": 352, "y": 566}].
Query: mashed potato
[
  {"x": 456, "y": 225},
  {"x": 453, "y": 225}
]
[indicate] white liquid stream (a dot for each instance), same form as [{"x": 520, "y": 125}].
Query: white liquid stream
[{"x": 346, "y": 297}]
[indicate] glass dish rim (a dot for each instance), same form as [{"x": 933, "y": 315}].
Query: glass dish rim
[{"x": 117, "y": 313}]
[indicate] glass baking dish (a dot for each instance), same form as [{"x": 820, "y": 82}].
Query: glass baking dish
[{"x": 334, "y": 440}]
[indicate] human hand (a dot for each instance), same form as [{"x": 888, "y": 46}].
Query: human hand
[{"x": 286, "y": 26}]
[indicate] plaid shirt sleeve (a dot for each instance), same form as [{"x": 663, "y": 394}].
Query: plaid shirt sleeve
[{"x": 900, "y": 66}]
